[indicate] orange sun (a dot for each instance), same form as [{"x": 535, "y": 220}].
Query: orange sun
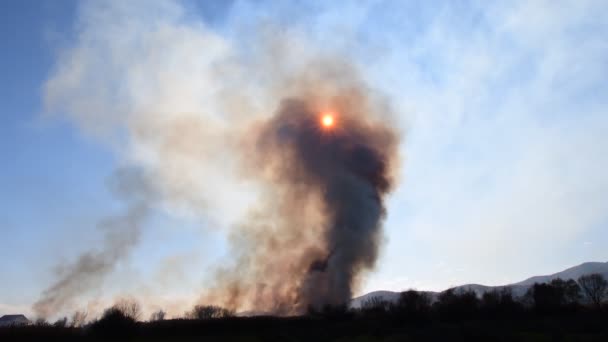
[{"x": 327, "y": 120}]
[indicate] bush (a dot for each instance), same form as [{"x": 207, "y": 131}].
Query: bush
[
  {"x": 454, "y": 306},
  {"x": 375, "y": 306},
  {"x": 413, "y": 304},
  {"x": 595, "y": 288},
  {"x": 129, "y": 308},
  {"x": 114, "y": 322},
  {"x": 557, "y": 296},
  {"x": 209, "y": 312},
  {"x": 501, "y": 303},
  {"x": 158, "y": 316}
]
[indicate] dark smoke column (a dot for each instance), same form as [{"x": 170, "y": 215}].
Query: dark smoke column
[{"x": 344, "y": 168}]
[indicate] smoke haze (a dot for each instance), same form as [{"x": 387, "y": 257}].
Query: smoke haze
[
  {"x": 233, "y": 139},
  {"x": 120, "y": 232},
  {"x": 317, "y": 229}
]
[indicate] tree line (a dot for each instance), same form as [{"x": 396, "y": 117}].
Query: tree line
[
  {"x": 577, "y": 309},
  {"x": 558, "y": 296},
  {"x": 588, "y": 293}
]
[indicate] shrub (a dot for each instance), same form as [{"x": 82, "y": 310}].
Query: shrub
[{"x": 209, "y": 312}]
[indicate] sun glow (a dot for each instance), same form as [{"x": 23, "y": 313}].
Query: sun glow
[{"x": 327, "y": 120}]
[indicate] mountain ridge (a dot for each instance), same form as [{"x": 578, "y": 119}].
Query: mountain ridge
[{"x": 518, "y": 289}]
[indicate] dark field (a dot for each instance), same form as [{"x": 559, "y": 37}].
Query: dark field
[
  {"x": 567, "y": 328},
  {"x": 557, "y": 311}
]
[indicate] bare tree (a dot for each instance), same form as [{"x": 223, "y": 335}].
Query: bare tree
[
  {"x": 158, "y": 315},
  {"x": 208, "y": 312},
  {"x": 595, "y": 287},
  {"x": 79, "y": 318},
  {"x": 375, "y": 304},
  {"x": 129, "y": 307},
  {"x": 414, "y": 302},
  {"x": 568, "y": 291}
]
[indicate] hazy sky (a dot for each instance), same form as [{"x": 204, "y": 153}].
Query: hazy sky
[{"x": 503, "y": 108}]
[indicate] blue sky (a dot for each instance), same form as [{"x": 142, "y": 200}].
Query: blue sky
[{"x": 503, "y": 107}]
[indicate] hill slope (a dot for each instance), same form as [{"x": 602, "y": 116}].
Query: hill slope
[
  {"x": 570, "y": 273},
  {"x": 518, "y": 289}
]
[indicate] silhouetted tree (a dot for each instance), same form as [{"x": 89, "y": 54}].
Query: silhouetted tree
[
  {"x": 114, "y": 322},
  {"x": 375, "y": 306},
  {"x": 508, "y": 305},
  {"x": 158, "y": 316},
  {"x": 490, "y": 303},
  {"x": 413, "y": 303},
  {"x": 335, "y": 311},
  {"x": 209, "y": 312},
  {"x": 569, "y": 291},
  {"x": 129, "y": 307},
  {"x": 595, "y": 288},
  {"x": 453, "y": 305},
  {"x": 552, "y": 297}
]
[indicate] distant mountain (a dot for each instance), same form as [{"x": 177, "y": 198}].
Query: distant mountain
[
  {"x": 570, "y": 273},
  {"x": 518, "y": 289},
  {"x": 388, "y": 296}
]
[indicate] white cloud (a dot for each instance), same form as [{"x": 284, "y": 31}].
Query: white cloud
[{"x": 504, "y": 162}]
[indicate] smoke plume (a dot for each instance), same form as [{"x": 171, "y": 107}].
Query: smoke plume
[
  {"x": 231, "y": 136},
  {"x": 120, "y": 232},
  {"x": 318, "y": 228}
]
